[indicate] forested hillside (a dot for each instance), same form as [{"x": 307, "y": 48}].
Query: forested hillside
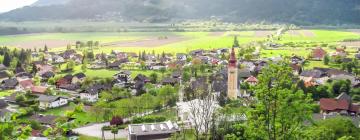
[{"x": 300, "y": 12}]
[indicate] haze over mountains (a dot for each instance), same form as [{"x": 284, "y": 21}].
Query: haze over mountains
[{"x": 300, "y": 12}]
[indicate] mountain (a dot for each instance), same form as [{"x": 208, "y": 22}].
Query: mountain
[
  {"x": 300, "y": 12},
  {"x": 49, "y": 2}
]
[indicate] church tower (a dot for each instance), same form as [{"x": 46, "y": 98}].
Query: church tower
[{"x": 232, "y": 77}]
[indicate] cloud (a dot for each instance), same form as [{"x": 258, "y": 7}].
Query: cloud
[{"x": 8, "y": 5}]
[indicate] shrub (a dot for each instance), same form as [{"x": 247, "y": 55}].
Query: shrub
[
  {"x": 116, "y": 120},
  {"x": 149, "y": 119}
]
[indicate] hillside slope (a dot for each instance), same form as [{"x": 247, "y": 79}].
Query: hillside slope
[{"x": 301, "y": 12}]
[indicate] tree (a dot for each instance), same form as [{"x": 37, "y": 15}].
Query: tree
[
  {"x": 84, "y": 65},
  {"x": 34, "y": 69},
  {"x": 281, "y": 108},
  {"x": 333, "y": 128},
  {"x": 70, "y": 65},
  {"x": 236, "y": 42},
  {"x": 116, "y": 120},
  {"x": 46, "y": 48},
  {"x": 154, "y": 77},
  {"x": 326, "y": 60},
  {"x": 7, "y": 59},
  {"x": 201, "y": 113}
]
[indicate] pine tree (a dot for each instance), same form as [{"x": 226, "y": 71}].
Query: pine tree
[
  {"x": 236, "y": 42},
  {"x": 45, "y": 48},
  {"x": 7, "y": 59}
]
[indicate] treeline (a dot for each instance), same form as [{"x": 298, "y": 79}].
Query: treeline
[{"x": 15, "y": 58}]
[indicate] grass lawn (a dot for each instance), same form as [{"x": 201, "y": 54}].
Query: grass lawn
[
  {"x": 170, "y": 114},
  {"x": 5, "y": 93},
  {"x": 80, "y": 118}
]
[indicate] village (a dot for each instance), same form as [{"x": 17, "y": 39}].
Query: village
[{"x": 160, "y": 95}]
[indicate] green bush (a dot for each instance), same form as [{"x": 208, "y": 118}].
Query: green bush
[{"x": 149, "y": 119}]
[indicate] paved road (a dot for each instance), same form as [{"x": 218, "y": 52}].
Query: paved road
[{"x": 94, "y": 130}]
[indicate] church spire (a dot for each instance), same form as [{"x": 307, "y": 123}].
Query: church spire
[{"x": 232, "y": 60}]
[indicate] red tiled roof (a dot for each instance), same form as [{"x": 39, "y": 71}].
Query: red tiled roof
[
  {"x": 333, "y": 104},
  {"x": 26, "y": 83},
  {"x": 251, "y": 79},
  {"x": 318, "y": 53},
  {"x": 38, "y": 89}
]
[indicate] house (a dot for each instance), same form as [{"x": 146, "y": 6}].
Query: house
[
  {"x": 163, "y": 130},
  {"x": 3, "y": 67},
  {"x": 9, "y": 84},
  {"x": 68, "y": 54},
  {"x": 176, "y": 74},
  {"x": 181, "y": 56},
  {"x": 3, "y": 104},
  {"x": 296, "y": 68},
  {"x": 78, "y": 78},
  {"x": 122, "y": 78},
  {"x": 357, "y": 56},
  {"x": 340, "y": 105},
  {"x": 3, "y": 75},
  {"x": 38, "y": 90},
  {"x": 318, "y": 53},
  {"x": 318, "y": 76},
  {"x": 340, "y": 52},
  {"x": 296, "y": 60},
  {"x": 19, "y": 70},
  {"x": 70, "y": 87},
  {"x": 25, "y": 85},
  {"x": 47, "y": 75},
  {"x": 57, "y": 59},
  {"x": 252, "y": 80},
  {"x": 90, "y": 95},
  {"x": 121, "y": 55},
  {"x": 170, "y": 81},
  {"x": 46, "y": 101},
  {"x": 49, "y": 120},
  {"x": 5, "y": 115},
  {"x": 23, "y": 76},
  {"x": 157, "y": 66},
  {"x": 64, "y": 81},
  {"x": 43, "y": 68},
  {"x": 197, "y": 52},
  {"x": 98, "y": 65},
  {"x": 141, "y": 78}
]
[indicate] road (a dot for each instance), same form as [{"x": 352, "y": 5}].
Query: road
[{"x": 94, "y": 130}]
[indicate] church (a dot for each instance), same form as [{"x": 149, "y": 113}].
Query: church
[{"x": 233, "y": 83}]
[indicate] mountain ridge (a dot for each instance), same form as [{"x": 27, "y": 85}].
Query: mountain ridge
[{"x": 301, "y": 12}]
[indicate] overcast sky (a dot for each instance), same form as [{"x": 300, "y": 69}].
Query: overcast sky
[{"x": 7, "y": 5}]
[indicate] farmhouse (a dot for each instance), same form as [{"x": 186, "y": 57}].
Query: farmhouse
[
  {"x": 340, "y": 105},
  {"x": 46, "y": 102},
  {"x": 90, "y": 95},
  {"x": 318, "y": 53},
  {"x": 9, "y": 84},
  {"x": 78, "y": 78}
]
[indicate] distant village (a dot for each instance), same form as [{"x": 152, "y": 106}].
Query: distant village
[{"x": 51, "y": 80}]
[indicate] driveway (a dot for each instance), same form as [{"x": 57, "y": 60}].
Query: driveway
[{"x": 94, "y": 130}]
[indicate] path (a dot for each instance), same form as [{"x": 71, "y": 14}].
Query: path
[{"x": 94, "y": 130}]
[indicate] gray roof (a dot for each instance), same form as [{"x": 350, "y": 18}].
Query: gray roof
[
  {"x": 3, "y": 112},
  {"x": 2, "y": 67},
  {"x": 153, "y": 128},
  {"x": 44, "y": 119},
  {"x": 3, "y": 104},
  {"x": 3, "y": 74},
  {"x": 313, "y": 73},
  {"x": 344, "y": 96},
  {"x": 45, "y": 98}
]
